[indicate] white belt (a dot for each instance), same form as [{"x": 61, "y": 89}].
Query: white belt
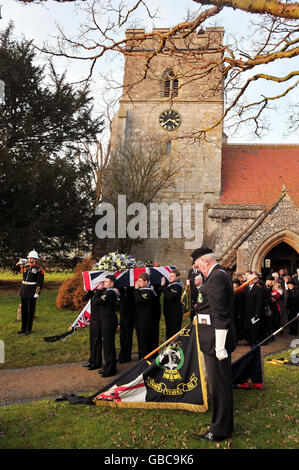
[{"x": 29, "y": 283}]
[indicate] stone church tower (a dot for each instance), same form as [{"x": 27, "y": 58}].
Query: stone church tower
[
  {"x": 244, "y": 197},
  {"x": 172, "y": 103}
]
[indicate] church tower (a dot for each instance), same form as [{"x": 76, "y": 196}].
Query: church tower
[{"x": 173, "y": 95}]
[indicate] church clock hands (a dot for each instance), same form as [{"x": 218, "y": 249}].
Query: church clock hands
[{"x": 170, "y": 120}]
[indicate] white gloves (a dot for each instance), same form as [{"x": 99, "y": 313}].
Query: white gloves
[
  {"x": 220, "y": 338},
  {"x": 36, "y": 296}
]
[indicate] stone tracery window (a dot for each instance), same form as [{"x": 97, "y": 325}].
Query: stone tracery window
[{"x": 170, "y": 84}]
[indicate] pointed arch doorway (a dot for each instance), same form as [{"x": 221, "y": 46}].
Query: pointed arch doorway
[{"x": 279, "y": 251}]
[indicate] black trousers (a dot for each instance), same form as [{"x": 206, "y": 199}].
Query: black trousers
[
  {"x": 252, "y": 336},
  {"x": 126, "y": 323},
  {"x": 95, "y": 340},
  {"x": 173, "y": 322},
  {"x": 28, "y": 311},
  {"x": 156, "y": 329},
  {"x": 102, "y": 334},
  {"x": 107, "y": 331},
  {"x": 221, "y": 392},
  {"x": 144, "y": 331}
]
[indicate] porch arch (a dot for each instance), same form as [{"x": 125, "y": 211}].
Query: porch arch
[{"x": 286, "y": 236}]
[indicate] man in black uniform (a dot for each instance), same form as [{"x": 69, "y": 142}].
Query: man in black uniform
[
  {"x": 95, "y": 333},
  {"x": 126, "y": 321},
  {"x": 105, "y": 301},
  {"x": 172, "y": 307},
  {"x": 32, "y": 283},
  {"x": 145, "y": 304},
  {"x": 156, "y": 315},
  {"x": 217, "y": 339}
]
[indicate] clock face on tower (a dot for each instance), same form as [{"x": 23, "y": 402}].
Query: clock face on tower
[{"x": 170, "y": 120}]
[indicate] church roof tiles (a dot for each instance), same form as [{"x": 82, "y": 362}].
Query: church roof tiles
[{"x": 257, "y": 173}]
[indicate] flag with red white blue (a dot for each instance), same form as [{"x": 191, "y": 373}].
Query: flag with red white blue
[{"x": 127, "y": 278}]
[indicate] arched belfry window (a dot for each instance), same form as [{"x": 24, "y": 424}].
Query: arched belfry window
[{"x": 170, "y": 84}]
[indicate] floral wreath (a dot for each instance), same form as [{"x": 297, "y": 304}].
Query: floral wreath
[{"x": 120, "y": 262}]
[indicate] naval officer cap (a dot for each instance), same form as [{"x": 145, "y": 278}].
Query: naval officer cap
[{"x": 199, "y": 252}]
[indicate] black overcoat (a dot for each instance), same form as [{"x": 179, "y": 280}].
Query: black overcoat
[
  {"x": 216, "y": 310},
  {"x": 254, "y": 303}
]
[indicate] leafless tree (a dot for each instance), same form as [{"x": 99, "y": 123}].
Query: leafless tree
[
  {"x": 243, "y": 64},
  {"x": 141, "y": 171}
]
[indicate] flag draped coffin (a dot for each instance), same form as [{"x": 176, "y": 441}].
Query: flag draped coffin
[
  {"x": 173, "y": 379},
  {"x": 127, "y": 278}
]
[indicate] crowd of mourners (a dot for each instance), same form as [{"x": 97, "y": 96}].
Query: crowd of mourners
[
  {"x": 274, "y": 301},
  {"x": 262, "y": 306}
]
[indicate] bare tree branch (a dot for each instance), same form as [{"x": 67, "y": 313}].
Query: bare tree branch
[
  {"x": 272, "y": 7},
  {"x": 228, "y": 68}
]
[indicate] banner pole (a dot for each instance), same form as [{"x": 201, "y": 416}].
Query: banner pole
[
  {"x": 164, "y": 344},
  {"x": 245, "y": 284},
  {"x": 279, "y": 330}
]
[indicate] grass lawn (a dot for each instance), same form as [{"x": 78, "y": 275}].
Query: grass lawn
[
  {"x": 33, "y": 350},
  {"x": 265, "y": 419},
  {"x": 8, "y": 275}
]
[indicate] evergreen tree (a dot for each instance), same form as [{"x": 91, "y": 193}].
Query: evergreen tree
[{"x": 44, "y": 203}]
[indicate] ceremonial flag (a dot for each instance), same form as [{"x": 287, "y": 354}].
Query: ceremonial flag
[
  {"x": 127, "y": 278},
  {"x": 82, "y": 321},
  {"x": 173, "y": 378},
  {"x": 248, "y": 370}
]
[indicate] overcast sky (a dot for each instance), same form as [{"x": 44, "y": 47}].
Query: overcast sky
[{"x": 39, "y": 22}]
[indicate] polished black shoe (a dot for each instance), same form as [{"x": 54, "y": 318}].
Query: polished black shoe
[
  {"x": 21, "y": 332},
  {"x": 28, "y": 333},
  {"x": 209, "y": 436},
  {"x": 86, "y": 364},
  {"x": 92, "y": 368},
  {"x": 104, "y": 374}
]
